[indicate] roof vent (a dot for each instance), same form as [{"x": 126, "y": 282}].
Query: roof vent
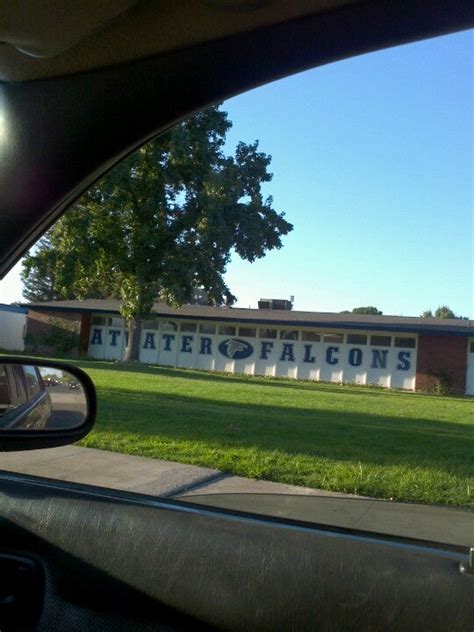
[{"x": 275, "y": 303}]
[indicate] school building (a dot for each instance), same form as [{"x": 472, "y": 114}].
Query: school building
[{"x": 391, "y": 351}]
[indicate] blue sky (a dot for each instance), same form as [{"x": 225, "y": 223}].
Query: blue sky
[{"x": 372, "y": 163}]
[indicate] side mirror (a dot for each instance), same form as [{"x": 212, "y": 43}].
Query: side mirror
[{"x": 43, "y": 404}]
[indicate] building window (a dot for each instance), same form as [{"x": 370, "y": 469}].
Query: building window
[
  {"x": 247, "y": 332},
  {"x": 289, "y": 335},
  {"x": 227, "y": 330},
  {"x": 267, "y": 333},
  {"x": 381, "y": 341},
  {"x": 99, "y": 320},
  {"x": 190, "y": 328},
  {"x": 150, "y": 324},
  {"x": 333, "y": 338},
  {"x": 169, "y": 325},
  {"x": 310, "y": 336},
  {"x": 356, "y": 339},
  {"x": 207, "y": 329},
  {"x": 407, "y": 343},
  {"x": 115, "y": 321}
]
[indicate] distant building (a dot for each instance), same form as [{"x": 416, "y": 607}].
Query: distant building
[
  {"x": 390, "y": 351},
  {"x": 12, "y": 327}
]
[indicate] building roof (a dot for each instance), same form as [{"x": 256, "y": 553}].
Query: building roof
[
  {"x": 12, "y": 308},
  {"x": 409, "y": 324}
]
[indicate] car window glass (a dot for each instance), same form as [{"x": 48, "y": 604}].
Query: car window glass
[
  {"x": 5, "y": 395},
  {"x": 32, "y": 379},
  {"x": 20, "y": 385},
  {"x": 289, "y": 300}
]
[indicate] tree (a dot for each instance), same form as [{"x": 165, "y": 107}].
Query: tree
[
  {"x": 38, "y": 273},
  {"x": 43, "y": 273},
  {"x": 165, "y": 221},
  {"x": 443, "y": 311},
  {"x": 367, "y": 310}
]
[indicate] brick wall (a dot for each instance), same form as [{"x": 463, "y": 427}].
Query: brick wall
[
  {"x": 442, "y": 357},
  {"x": 53, "y": 333}
]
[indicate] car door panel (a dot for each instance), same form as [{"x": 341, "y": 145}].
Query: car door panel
[{"x": 225, "y": 570}]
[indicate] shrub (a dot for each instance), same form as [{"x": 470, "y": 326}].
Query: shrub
[{"x": 441, "y": 383}]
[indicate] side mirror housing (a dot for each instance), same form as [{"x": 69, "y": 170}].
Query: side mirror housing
[{"x": 43, "y": 404}]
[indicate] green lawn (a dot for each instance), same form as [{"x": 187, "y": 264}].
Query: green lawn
[{"x": 373, "y": 442}]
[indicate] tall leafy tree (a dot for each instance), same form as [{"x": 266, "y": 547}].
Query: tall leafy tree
[
  {"x": 39, "y": 273},
  {"x": 166, "y": 220},
  {"x": 47, "y": 269}
]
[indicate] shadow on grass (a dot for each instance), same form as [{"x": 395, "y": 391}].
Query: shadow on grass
[{"x": 335, "y": 435}]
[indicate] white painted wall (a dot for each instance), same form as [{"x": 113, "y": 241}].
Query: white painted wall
[
  {"x": 322, "y": 360},
  {"x": 12, "y": 330}
]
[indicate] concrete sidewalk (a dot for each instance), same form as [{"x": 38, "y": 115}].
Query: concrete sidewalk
[
  {"x": 135, "y": 473},
  {"x": 214, "y": 488}
]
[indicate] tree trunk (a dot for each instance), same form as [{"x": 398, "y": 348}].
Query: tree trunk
[{"x": 132, "y": 352}]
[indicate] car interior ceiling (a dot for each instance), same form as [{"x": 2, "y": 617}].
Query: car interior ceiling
[
  {"x": 123, "y": 105},
  {"x": 103, "y": 559}
]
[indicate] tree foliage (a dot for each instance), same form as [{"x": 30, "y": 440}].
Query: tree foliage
[
  {"x": 39, "y": 273},
  {"x": 164, "y": 222},
  {"x": 370, "y": 309},
  {"x": 443, "y": 311}
]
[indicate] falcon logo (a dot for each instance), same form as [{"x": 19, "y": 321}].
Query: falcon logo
[{"x": 235, "y": 349}]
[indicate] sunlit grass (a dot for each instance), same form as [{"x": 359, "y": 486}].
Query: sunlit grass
[{"x": 373, "y": 442}]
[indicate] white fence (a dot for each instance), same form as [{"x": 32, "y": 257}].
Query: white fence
[{"x": 362, "y": 357}]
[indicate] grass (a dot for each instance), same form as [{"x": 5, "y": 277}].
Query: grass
[{"x": 374, "y": 442}]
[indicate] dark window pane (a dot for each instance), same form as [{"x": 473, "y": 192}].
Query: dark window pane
[
  {"x": 168, "y": 325},
  {"x": 356, "y": 339},
  {"x": 333, "y": 338},
  {"x": 247, "y": 332},
  {"x": 267, "y": 333},
  {"x": 289, "y": 335},
  {"x": 115, "y": 321},
  {"x": 227, "y": 330},
  {"x": 409, "y": 343},
  {"x": 98, "y": 320},
  {"x": 311, "y": 336},
  {"x": 207, "y": 329},
  {"x": 188, "y": 327},
  {"x": 150, "y": 324},
  {"x": 381, "y": 341}
]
